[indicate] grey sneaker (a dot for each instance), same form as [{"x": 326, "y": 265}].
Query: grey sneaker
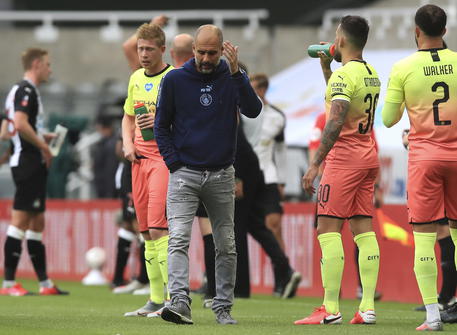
[
  {"x": 150, "y": 307},
  {"x": 177, "y": 312},
  {"x": 436, "y": 325},
  {"x": 291, "y": 287},
  {"x": 223, "y": 317}
]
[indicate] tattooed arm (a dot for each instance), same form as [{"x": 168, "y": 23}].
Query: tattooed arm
[{"x": 330, "y": 134}]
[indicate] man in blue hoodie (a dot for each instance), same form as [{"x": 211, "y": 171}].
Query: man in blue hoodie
[{"x": 195, "y": 129}]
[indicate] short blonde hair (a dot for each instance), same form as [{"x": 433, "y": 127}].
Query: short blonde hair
[
  {"x": 29, "y": 55},
  {"x": 148, "y": 31}
]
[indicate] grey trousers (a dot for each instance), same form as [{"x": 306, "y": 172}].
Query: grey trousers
[{"x": 216, "y": 190}]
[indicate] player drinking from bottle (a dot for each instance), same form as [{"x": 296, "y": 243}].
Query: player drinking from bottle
[{"x": 347, "y": 185}]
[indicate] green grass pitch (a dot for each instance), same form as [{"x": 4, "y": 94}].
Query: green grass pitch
[{"x": 95, "y": 310}]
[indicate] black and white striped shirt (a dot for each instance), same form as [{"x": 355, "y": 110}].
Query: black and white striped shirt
[{"x": 24, "y": 97}]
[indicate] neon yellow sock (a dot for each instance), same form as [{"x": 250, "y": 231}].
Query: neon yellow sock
[
  {"x": 153, "y": 270},
  {"x": 332, "y": 264},
  {"x": 425, "y": 266},
  {"x": 162, "y": 249},
  {"x": 454, "y": 239},
  {"x": 368, "y": 267}
]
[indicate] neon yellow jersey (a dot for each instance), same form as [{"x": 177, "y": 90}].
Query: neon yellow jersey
[
  {"x": 426, "y": 82},
  {"x": 144, "y": 88},
  {"x": 356, "y": 82}
]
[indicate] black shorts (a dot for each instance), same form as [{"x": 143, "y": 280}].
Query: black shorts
[
  {"x": 128, "y": 210},
  {"x": 201, "y": 211},
  {"x": 30, "y": 178},
  {"x": 271, "y": 199},
  {"x": 125, "y": 193}
]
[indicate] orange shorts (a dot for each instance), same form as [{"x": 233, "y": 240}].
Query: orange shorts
[
  {"x": 432, "y": 189},
  {"x": 149, "y": 190},
  {"x": 345, "y": 193}
]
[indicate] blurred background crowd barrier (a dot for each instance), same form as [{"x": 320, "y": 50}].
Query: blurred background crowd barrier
[{"x": 73, "y": 227}]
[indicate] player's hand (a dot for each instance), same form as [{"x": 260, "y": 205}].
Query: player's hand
[
  {"x": 239, "y": 193},
  {"x": 325, "y": 60},
  {"x": 145, "y": 121},
  {"x": 47, "y": 155},
  {"x": 130, "y": 153},
  {"x": 308, "y": 179},
  {"x": 231, "y": 53},
  {"x": 160, "y": 20},
  {"x": 405, "y": 138},
  {"x": 49, "y": 136}
]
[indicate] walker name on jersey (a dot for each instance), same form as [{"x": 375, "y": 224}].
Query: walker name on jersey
[{"x": 438, "y": 70}]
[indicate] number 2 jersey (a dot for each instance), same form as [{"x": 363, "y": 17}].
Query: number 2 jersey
[
  {"x": 357, "y": 83},
  {"x": 426, "y": 82}
]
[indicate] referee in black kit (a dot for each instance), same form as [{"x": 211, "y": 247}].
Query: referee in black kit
[{"x": 29, "y": 161}]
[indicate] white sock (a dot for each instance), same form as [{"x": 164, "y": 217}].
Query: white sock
[
  {"x": 46, "y": 283},
  {"x": 126, "y": 235},
  {"x": 8, "y": 283},
  {"x": 15, "y": 232},
  {"x": 433, "y": 312}
]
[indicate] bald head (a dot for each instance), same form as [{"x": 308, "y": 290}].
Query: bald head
[
  {"x": 181, "y": 49},
  {"x": 208, "y": 48},
  {"x": 209, "y": 33},
  {"x": 182, "y": 44}
]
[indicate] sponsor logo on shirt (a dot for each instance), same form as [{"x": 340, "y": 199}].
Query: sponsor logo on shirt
[
  {"x": 148, "y": 87},
  {"x": 206, "y": 89},
  {"x": 36, "y": 203}
]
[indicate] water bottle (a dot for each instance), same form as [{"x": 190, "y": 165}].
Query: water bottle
[
  {"x": 328, "y": 49},
  {"x": 140, "y": 109}
]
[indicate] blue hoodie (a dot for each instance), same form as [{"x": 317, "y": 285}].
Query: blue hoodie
[{"x": 197, "y": 116}]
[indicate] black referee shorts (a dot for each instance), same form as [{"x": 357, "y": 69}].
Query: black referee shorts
[{"x": 272, "y": 199}]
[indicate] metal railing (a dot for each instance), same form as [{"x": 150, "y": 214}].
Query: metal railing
[
  {"x": 385, "y": 16},
  {"x": 48, "y": 32}
]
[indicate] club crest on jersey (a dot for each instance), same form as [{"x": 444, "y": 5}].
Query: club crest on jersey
[
  {"x": 148, "y": 86},
  {"x": 36, "y": 203},
  {"x": 206, "y": 99},
  {"x": 25, "y": 101}
]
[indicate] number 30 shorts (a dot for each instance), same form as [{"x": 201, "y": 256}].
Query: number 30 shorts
[{"x": 346, "y": 193}]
